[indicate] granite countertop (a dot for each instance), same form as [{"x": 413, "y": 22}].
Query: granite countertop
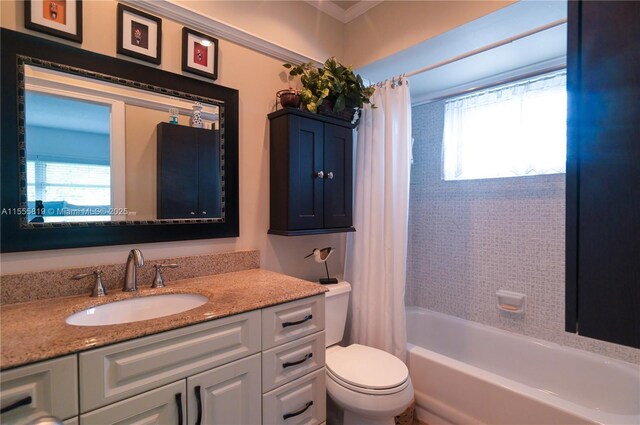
[{"x": 37, "y": 330}]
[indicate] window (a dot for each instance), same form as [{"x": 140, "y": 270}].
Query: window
[
  {"x": 517, "y": 129},
  {"x": 69, "y": 189}
]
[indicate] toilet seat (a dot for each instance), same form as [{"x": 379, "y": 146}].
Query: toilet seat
[
  {"x": 363, "y": 390},
  {"x": 367, "y": 370}
]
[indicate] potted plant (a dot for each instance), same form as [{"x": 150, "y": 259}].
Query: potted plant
[
  {"x": 289, "y": 98},
  {"x": 333, "y": 89}
]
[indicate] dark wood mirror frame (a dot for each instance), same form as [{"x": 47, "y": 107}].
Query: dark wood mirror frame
[{"x": 15, "y": 239}]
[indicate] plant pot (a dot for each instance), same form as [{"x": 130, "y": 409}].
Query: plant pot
[
  {"x": 326, "y": 108},
  {"x": 289, "y": 98}
]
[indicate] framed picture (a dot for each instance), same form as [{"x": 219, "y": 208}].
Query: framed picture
[
  {"x": 199, "y": 54},
  {"x": 62, "y": 18},
  {"x": 139, "y": 34}
]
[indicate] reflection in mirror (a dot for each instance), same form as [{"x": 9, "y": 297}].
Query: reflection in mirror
[
  {"x": 98, "y": 149},
  {"x": 68, "y": 159}
]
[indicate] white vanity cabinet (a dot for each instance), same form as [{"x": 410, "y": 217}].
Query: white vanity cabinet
[
  {"x": 293, "y": 374},
  {"x": 45, "y": 388},
  {"x": 228, "y": 395},
  {"x": 119, "y": 371},
  {"x": 164, "y": 405},
  {"x": 263, "y": 366}
]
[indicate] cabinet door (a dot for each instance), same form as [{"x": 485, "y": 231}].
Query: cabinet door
[
  {"x": 226, "y": 395},
  {"x": 122, "y": 370},
  {"x": 177, "y": 171},
  {"x": 603, "y": 171},
  {"x": 209, "y": 204},
  {"x": 165, "y": 405},
  {"x": 45, "y": 388},
  {"x": 338, "y": 167},
  {"x": 305, "y": 161}
]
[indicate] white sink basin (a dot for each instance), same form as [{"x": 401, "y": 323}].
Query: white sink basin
[{"x": 136, "y": 309}]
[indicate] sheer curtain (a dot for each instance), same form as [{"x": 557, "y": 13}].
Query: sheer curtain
[
  {"x": 377, "y": 251},
  {"x": 517, "y": 129}
]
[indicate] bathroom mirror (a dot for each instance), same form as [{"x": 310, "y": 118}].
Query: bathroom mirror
[
  {"x": 93, "y": 154},
  {"x": 91, "y": 149}
]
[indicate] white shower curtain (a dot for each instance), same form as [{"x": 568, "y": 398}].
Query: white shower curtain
[{"x": 377, "y": 251}]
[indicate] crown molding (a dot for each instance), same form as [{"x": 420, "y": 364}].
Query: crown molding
[
  {"x": 360, "y": 8},
  {"x": 329, "y": 8},
  {"x": 199, "y": 22},
  {"x": 344, "y": 16}
]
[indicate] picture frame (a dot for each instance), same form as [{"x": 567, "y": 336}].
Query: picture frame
[
  {"x": 60, "y": 18},
  {"x": 199, "y": 54},
  {"x": 139, "y": 35}
]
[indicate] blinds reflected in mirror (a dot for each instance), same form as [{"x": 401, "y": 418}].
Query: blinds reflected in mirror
[{"x": 68, "y": 191}]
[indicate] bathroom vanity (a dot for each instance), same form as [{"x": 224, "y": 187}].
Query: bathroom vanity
[{"x": 254, "y": 353}]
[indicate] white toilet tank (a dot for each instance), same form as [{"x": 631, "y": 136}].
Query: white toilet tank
[{"x": 336, "y": 306}]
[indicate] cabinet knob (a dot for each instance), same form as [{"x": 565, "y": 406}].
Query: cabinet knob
[
  {"x": 192, "y": 213},
  {"x": 204, "y": 213},
  {"x": 330, "y": 175},
  {"x": 320, "y": 174}
]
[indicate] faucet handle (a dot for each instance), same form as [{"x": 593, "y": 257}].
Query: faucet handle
[
  {"x": 158, "y": 279},
  {"x": 98, "y": 289}
]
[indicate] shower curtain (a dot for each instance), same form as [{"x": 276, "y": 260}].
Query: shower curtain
[{"x": 376, "y": 252}]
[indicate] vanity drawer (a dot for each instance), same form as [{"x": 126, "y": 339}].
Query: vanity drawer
[
  {"x": 164, "y": 405},
  {"x": 286, "y": 322},
  {"x": 289, "y": 361},
  {"x": 123, "y": 370},
  {"x": 52, "y": 387},
  {"x": 299, "y": 402}
]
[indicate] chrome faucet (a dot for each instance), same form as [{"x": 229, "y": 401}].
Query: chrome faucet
[{"x": 134, "y": 260}]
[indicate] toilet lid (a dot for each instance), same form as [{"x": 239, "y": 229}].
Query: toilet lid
[{"x": 367, "y": 367}]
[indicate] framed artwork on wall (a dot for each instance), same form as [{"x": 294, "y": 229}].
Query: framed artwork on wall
[
  {"x": 62, "y": 18},
  {"x": 199, "y": 54},
  {"x": 139, "y": 34}
]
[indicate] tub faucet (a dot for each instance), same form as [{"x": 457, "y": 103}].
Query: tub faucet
[{"x": 134, "y": 260}]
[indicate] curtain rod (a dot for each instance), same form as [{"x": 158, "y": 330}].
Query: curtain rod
[
  {"x": 487, "y": 47},
  {"x": 459, "y": 92}
]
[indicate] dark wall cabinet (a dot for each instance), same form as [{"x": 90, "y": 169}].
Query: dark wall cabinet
[
  {"x": 188, "y": 172},
  {"x": 311, "y": 162},
  {"x": 603, "y": 171}
]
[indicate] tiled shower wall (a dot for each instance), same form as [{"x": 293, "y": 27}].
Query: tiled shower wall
[{"x": 467, "y": 239}]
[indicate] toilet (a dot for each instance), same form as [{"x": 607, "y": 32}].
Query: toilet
[{"x": 366, "y": 386}]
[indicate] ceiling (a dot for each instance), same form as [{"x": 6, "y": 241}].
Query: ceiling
[
  {"x": 344, "y": 11},
  {"x": 455, "y": 73},
  {"x": 45, "y": 110}
]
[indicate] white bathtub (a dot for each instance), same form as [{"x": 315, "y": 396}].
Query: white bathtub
[{"x": 464, "y": 372}]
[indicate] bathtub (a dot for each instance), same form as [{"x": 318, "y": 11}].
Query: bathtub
[{"x": 464, "y": 372}]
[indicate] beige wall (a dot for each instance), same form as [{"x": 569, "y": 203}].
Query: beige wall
[
  {"x": 141, "y": 155},
  {"x": 257, "y": 77},
  {"x": 292, "y": 24},
  {"x": 393, "y": 26},
  {"x": 385, "y": 29}
]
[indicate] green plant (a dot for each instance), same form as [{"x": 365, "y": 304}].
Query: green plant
[{"x": 334, "y": 83}]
